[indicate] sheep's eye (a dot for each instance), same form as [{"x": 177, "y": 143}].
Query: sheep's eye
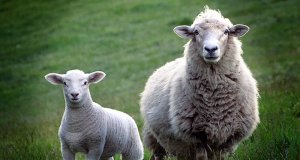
[
  {"x": 226, "y": 31},
  {"x": 196, "y": 32},
  {"x": 65, "y": 83},
  {"x": 85, "y": 83}
]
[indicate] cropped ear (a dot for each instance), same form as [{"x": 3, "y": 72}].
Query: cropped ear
[
  {"x": 96, "y": 77},
  {"x": 184, "y": 31},
  {"x": 54, "y": 78},
  {"x": 238, "y": 30}
]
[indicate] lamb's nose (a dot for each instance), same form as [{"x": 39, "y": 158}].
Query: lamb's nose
[
  {"x": 211, "y": 49},
  {"x": 74, "y": 95}
]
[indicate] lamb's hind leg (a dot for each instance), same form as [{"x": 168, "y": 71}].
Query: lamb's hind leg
[
  {"x": 133, "y": 152},
  {"x": 158, "y": 152}
]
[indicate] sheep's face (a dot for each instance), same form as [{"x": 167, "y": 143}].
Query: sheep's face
[
  {"x": 210, "y": 37},
  {"x": 75, "y": 84}
]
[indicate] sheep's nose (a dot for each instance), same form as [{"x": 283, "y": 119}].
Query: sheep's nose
[
  {"x": 211, "y": 49},
  {"x": 74, "y": 95}
]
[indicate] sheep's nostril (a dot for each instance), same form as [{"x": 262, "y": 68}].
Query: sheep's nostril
[
  {"x": 212, "y": 49},
  {"x": 74, "y": 95}
]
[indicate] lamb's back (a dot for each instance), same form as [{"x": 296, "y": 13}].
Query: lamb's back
[{"x": 119, "y": 131}]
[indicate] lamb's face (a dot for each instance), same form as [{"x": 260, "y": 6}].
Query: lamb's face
[{"x": 75, "y": 84}]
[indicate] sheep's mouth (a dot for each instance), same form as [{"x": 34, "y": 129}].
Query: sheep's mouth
[
  {"x": 211, "y": 58},
  {"x": 74, "y": 99}
]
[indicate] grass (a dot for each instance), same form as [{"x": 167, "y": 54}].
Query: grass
[{"x": 129, "y": 39}]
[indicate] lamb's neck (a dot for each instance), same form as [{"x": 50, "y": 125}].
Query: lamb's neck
[{"x": 77, "y": 116}]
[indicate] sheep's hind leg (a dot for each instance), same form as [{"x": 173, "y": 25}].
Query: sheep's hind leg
[{"x": 158, "y": 152}]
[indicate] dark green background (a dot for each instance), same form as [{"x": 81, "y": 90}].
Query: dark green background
[{"x": 129, "y": 39}]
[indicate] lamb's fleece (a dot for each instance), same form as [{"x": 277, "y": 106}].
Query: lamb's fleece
[
  {"x": 194, "y": 109},
  {"x": 86, "y": 127},
  {"x": 91, "y": 127}
]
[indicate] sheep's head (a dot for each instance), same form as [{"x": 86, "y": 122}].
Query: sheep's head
[
  {"x": 210, "y": 33},
  {"x": 75, "y": 84}
]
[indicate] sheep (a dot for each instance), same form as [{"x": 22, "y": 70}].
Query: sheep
[
  {"x": 87, "y": 127},
  {"x": 202, "y": 105}
]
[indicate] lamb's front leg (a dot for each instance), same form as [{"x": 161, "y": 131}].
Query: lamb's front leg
[
  {"x": 94, "y": 154},
  {"x": 67, "y": 153},
  {"x": 95, "y": 151}
]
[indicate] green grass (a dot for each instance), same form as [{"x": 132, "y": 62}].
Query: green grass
[{"x": 129, "y": 39}]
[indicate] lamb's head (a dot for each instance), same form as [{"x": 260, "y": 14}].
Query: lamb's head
[
  {"x": 75, "y": 84},
  {"x": 210, "y": 32}
]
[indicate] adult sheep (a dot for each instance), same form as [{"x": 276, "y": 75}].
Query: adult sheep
[{"x": 200, "y": 106}]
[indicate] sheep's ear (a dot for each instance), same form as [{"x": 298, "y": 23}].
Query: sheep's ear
[
  {"x": 96, "y": 77},
  {"x": 238, "y": 30},
  {"x": 54, "y": 78},
  {"x": 184, "y": 31}
]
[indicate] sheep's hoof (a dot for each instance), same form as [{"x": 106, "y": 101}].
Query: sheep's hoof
[
  {"x": 153, "y": 157},
  {"x": 201, "y": 156},
  {"x": 201, "y": 153}
]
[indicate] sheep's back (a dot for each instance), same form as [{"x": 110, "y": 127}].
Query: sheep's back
[{"x": 155, "y": 98}]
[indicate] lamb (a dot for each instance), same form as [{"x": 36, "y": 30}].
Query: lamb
[
  {"x": 202, "y": 105},
  {"x": 87, "y": 127}
]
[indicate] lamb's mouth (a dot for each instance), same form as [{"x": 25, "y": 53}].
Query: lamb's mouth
[{"x": 74, "y": 99}]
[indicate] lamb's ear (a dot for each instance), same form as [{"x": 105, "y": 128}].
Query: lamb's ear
[
  {"x": 96, "y": 77},
  {"x": 54, "y": 78},
  {"x": 238, "y": 30},
  {"x": 184, "y": 31}
]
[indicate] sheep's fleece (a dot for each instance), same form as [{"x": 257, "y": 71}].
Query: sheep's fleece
[{"x": 194, "y": 109}]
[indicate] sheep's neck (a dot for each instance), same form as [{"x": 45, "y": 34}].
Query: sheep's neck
[{"x": 78, "y": 116}]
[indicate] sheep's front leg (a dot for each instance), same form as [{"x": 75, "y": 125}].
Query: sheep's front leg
[
  {"x": 231, "y": 144},
  {"x": 201, "y": 153},
  {"x": 67, "y": 153}
]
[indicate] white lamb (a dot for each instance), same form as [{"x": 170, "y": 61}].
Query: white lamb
[
  {"x": 87, "y": 127},
  {"x": 202, "y": 105}
]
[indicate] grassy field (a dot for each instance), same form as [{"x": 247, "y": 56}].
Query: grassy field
[{"x": 129, "y": 39}]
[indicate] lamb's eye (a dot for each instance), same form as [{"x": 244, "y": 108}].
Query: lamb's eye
[
  {"x": 85, "y": 83},
  {"x": 196, "y": 32},
  {"x": 65, "y": 83}
]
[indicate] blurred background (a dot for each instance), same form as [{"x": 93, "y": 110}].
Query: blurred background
[{"x": 129, "y": 39}]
